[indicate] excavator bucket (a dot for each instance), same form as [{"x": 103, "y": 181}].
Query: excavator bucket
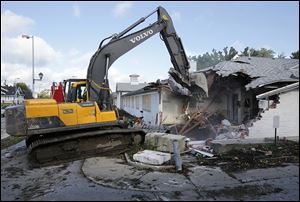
[
  {"x": 197, "y": 83},
  {"x": 198, "y": 86}
]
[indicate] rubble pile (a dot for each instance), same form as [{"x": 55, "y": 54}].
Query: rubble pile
[
  {"x": 219, "y": 130},
  {"x": 214, "y": 141},
  {"x": 260, "y": 156},
  {"x": 227, "y": 131}
]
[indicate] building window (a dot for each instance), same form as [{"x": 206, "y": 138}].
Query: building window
[
  {"x": 147, "y": 103},
  {"x": 132, "y": 102},
  {"x": 137, "y": 102},
  {"x": 127, "y": 101}
]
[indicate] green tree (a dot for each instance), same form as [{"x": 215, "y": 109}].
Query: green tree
[
  {"x": 229, "y": 55},
  {"x": 263, "y": 52},
  {"x": 295, "y": 55},
  {"x": 209, "y": 59},
  {"x": 25, "y": 89},
  {"x": 44, "y": 94}
]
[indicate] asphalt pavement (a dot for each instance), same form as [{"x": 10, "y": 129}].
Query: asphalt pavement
[
  {"x": 113, "y": 179},
  {"x": 3, "y": 131}
]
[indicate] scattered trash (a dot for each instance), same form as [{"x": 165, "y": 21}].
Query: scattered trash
[{"x": 202, "y": 152}]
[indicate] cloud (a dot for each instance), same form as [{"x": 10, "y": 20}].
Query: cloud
[
  {"x": 10, "y": 72},
  {"x": 16, "y": 52},
  {"x": 19, "y": 50},
  {"x": 76, "y": 10},
  {"x": 12, "y": 23},
  {"x": 16, "y": 59},
  {"x": 115, "y": 76},
  {"x": 81, "y": 60},
  {"x": 176, "y": 16},
  {"x": 122, "y": 8}
]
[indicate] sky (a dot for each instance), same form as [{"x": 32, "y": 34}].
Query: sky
[{"x": 66, "y": 35}]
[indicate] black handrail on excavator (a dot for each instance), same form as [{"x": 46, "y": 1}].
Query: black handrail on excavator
[{"x": 106, "y": 55}]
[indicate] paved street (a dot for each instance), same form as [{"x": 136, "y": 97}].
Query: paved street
[
  {"x": 68, "y": 182},
  {"x": 3, "y": 131}
]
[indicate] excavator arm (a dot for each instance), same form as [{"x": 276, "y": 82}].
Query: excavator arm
[{"x": 119, "y": 44}]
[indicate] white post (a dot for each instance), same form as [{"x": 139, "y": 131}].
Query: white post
[
  {"x": 275, "y": 125},
  {"x": 33, "y": 95}
]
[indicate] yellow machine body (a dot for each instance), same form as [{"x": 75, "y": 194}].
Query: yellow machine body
[{"x": 69, "y": 113}]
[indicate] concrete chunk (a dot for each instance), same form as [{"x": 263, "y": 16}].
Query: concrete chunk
[
  {"x": 223, "y": 146},
  {"x": 163, "y": 142},
  {"x": 152, "y": 157}
]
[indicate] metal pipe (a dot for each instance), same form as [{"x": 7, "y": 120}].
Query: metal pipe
[
  {"x": 135, "y": 24},
  {"x": 178, "y": 161},
  {"x": 106, "y": 68},
  {"x": 32, "y": 66}
]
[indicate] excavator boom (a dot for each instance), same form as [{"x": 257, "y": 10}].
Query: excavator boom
[{"x": 120, "y": 44}]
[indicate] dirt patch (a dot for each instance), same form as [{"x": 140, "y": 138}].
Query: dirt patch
[{"x": 261, "y": 156}]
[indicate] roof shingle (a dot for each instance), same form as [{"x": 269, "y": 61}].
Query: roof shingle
[{"x": 263, "y": 70}]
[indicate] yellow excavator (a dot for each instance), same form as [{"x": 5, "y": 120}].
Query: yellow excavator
[{"x": 85, "y": 123}]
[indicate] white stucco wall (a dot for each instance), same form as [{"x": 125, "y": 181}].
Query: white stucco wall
[
  {"x": 172, "y": 107},
  {"x": 149, "y": 116},
  {"x": 288, "y": 110},
  {"x": 118, "y": 100}
]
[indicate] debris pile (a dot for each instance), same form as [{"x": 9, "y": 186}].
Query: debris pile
[
  {"x": 260, "y": 156},
  {"x": 205, "y": 127},
  {"x": 200, "y": 147},
  {"x": 214, "y": 141},
  {"x": 227, "y": 131}
]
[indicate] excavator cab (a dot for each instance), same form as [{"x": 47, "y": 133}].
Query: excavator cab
[
  {"x": 75, "y": 90},
  {"x": 71, "y": 91}
]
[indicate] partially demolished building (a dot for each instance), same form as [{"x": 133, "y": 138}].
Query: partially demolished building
[
  {"x": 232, "y": 88},
  {"x": 158, "y": 103},
  {"x": 233, "y": 85}
]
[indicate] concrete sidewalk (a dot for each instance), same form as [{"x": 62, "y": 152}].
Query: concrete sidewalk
[{"x": 198, "y": 182}]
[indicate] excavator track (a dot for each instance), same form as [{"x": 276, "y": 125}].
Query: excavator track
[{"x": 52, "y": 150}]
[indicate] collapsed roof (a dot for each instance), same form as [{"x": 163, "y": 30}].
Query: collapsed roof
[
  {"x": 261, "y": 70},
  {"x": 168, "y": 84}
]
